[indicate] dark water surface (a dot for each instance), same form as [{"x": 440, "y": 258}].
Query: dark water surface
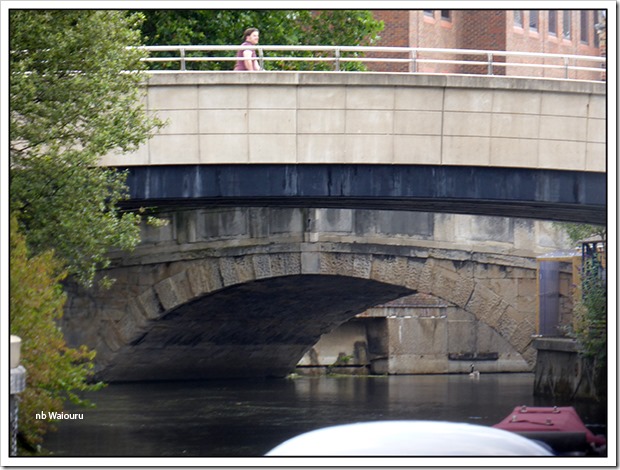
[{"x": 249, "y": 418}]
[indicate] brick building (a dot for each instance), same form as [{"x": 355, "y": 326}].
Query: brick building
[{"x": 542, "y": 31}]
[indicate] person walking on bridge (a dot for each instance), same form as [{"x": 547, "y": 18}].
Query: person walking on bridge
[{"x": 247, "y": 57}]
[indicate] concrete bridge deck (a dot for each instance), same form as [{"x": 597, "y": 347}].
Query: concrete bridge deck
[
  {"x": 371, "y": 118},
  {"x": 464, "y": 144}
]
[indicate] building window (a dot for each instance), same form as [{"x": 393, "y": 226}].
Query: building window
[
  {"x": 566, "y": 20},
  {"x": 445, "y": 15},
  {"x": 583, "y": 27},
  {"x": 597, "y": 25},
  {"x": 553, "y": 23},
  {"x": 518, "y": 18},
  {"x": 533, "y": 20},
  {"x": 430, "y": 13}
]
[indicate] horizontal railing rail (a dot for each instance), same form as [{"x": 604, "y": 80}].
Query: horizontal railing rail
[{"x": 418, "y": 59}]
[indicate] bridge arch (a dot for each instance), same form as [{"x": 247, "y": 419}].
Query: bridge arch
[{"x": 256, "y": 311}]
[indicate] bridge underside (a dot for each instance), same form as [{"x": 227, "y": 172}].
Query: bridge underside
[
  {"x": 569, "y": 196},
  {"x": 257, "y": 329}
]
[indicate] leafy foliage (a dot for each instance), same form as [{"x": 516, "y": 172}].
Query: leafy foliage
[
  {"x": 578, "y": 232},
  {"x": 589, "y": 326},
  {"x": 55, "y": 372},
  {"x": 281, "y": 27},
  {"x": 590, "y": 319},
  {"x": 73, "y": 100}
]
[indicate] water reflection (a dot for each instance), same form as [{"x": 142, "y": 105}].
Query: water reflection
[{"x": 248, "y": 418}]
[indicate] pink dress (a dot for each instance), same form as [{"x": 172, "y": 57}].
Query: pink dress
[{"x": 240, "y": 65}]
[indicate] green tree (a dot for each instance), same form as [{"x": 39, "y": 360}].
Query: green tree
[
  {"x": 55, "y": 372},
  {"x": 589, "y": 326},
  {"x": 278, "y": 27},
  {"x": 74, "y": 96},
  {"x": 590, "y": 323},
  {"x": 579, "y": 232}
]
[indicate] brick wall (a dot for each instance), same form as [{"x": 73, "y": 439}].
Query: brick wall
[
  {"x": 395, "y": 34},
  {"x": 484, "y": 30},
  {"x": 541, "y": 39},
  {"x": 433, "y": 31}
]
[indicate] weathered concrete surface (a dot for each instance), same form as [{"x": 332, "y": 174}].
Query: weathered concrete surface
[
  {"x": 418, "y": 334},
  {"x": 338, "y": 118},
  {"x": 476, "y": 145},
  {"x": 247, "y": 291},
  {"x": 564, "y": 373}
]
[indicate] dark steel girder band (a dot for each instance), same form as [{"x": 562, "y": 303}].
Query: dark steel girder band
[{"x": 570, "y": 196}]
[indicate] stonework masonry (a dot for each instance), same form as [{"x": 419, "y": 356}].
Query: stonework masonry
[{"x": 247, "y": 291}]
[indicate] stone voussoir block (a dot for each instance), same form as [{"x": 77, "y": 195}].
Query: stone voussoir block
[
  {"x": 336, "y": 263},
  {"x": 197, "y": 279},
  {"x": 452, "y": 286},
  {"x": 522, "y": 336},
  {"x": 417, "y": 269},
  {"x": 425, "y": 281},
  {"x": 392, "y": 270},
  {"x": 285, "y": 264},
  {"x": 262, "y": 266},
  {"x": 228, "y": 271},
  {"x": 244, "y": 269},
  {"x": 487, "y": 305},
  {"x": 362, "y": 265},
  {"x": 148, "y": 304},
  {"x": 211, "y": 275},
  {"x": 506, "y": 324},
  {"x": 173, "y": 291},
  {"x": 130, "y": 325}
]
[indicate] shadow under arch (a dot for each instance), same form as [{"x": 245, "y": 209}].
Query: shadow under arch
[{"x": 259, "y": 328}]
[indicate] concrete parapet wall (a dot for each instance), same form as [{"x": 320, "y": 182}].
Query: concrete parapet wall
[
  {"x": 191, "y": 230},
  {"x": 361, "y": 118}
]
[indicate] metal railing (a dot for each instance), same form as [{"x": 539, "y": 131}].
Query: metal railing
[{"x": 409, "y": 59}]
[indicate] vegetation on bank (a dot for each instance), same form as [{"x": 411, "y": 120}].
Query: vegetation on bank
[
  {"x": 71, "y": 101},
  {"x": 76, "y": 95},
  {"x": 55, "y": 372},
  {"x": 589, "y": 326}
]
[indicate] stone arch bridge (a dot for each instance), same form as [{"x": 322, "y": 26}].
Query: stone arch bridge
[
  {"x": 241, "y": 292},
  {"x": 298, "y": 200}
]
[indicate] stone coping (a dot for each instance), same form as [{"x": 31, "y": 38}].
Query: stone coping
[
  {"x": 376, "y": 79},
  {"x": 556, "y": 344}
]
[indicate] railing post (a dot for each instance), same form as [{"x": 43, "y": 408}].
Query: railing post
[
  {"x": 261, "y": 58},
  {"x": 414, "y": 64},
  {"x": 337, "y": 60},
  {"x": 182, "y": 54},
  {"x": 565, "y": 67},
  {"x": 490, "y": 63}
]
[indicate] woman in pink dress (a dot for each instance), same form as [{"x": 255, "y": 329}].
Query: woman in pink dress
[{"x": 247, "y": 58}]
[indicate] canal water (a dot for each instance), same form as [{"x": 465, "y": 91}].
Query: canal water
[{"x": 248, "y": 418}]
